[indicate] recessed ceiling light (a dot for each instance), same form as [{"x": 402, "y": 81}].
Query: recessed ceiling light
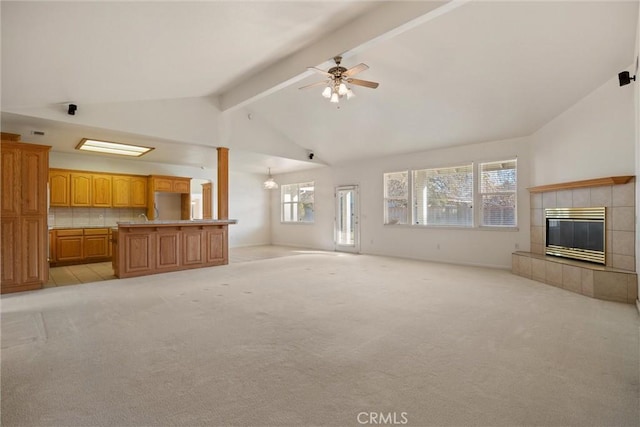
[{"x": 112, "y": 148}]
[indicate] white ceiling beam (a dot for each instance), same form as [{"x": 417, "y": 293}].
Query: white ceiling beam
[{"x": 381, "y": 23}]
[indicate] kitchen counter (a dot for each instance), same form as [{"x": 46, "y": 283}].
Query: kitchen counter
[
  {"x": 179, "y": 222},
  {"x": 79, "y": 227},
  {"x": 141, "y": 248}
]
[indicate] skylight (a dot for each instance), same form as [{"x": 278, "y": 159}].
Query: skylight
[{"x": 112, "y": 148}]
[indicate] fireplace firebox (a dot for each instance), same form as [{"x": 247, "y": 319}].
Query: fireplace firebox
[{"x": 577, "y": 233}]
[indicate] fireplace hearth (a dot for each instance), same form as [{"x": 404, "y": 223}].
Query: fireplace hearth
[{"x": 577, "y": 233}]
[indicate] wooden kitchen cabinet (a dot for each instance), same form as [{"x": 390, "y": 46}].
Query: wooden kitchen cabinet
[
  {"x": 182, "y": 185},
  {"x": 89, "y": 189},
  {"x": 80, "y": 245},
  {"x": 101, "y": 190},
  {"x": 216, "y": 242},
  {"x": 95, "y": 244},
  {"x": 10, "y": 228},
  {"x": 69, "y": 245},
  {"x": 207, "y": 200},
  {"x": 140, "y": 250},
  {"x": 139, "y": 192},
  {"x": 129, "y": 191},
  {"x": 146, "y": 248},
  {"x": 52, "y": 246},
  {"x": 114, "y": 251},
  {"x": 23, "y": 216},
  {"x": 168, "y": 249},
  {"x": 170, "y": 184},
  {"x": 81, "y": 189},
  {"x": 121, "y": 191},
  {"x": 59, "y": 187}
]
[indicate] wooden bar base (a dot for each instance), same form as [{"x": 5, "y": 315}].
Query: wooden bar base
[{"x": 154, "y": 247}]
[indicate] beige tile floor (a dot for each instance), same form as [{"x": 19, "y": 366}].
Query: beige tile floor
[
  {"x": 77, "y": 274},
  {"x": 99, "y": 271}
]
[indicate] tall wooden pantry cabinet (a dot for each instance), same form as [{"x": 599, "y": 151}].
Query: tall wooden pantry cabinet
[{"x": 23, "y": 216}]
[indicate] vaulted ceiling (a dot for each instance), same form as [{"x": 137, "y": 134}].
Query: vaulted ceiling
[{"x": 189, "y": 76}]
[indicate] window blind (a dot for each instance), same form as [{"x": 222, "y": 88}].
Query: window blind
[{"x": 498, "y": 185}]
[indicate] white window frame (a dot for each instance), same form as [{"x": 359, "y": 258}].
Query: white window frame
[
  {"x": 481, "y": 193},
  {"x": 284, "y": 205},
  {"x": 414, "y": 199},
  {"x": 476, "y": 214},
  {"x": 406, "y": 199}
]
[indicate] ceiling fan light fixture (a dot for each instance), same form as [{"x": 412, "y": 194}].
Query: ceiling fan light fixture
[{"x": 336, "y": 79}]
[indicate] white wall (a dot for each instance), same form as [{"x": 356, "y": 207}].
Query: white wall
[
  {"x": 248, "y": 202},
  {"x": 592, "y": 139},
  {"x": 461, "y": 246},
  {"x": 318, "y": 235},
  {"x": 636, "y": 86}
]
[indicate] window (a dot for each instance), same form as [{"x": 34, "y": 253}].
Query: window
[
  {"x": 446, "y": 196},
  {"x": 498, "y": 185},
  {"x": 443, "y": 196},
  {"x": 396, "y": 198},
  {"x": 297, "y": 202}
]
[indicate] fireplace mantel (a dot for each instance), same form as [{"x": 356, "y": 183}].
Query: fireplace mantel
[{"x": 611, "y": 180}]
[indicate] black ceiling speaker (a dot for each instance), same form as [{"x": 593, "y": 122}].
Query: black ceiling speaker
[
  {"x": 625, "y": 78},
  {"x": 74, "y": 107}
]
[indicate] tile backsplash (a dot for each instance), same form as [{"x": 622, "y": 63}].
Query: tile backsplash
[{"x": 84, "y": 217}]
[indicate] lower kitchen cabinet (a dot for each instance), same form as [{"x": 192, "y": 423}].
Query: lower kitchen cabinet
[
  {"x": 140, "y": 247},
  {"x": 68, "y": 245},
  {"x": 79, "y": 246},
  {"x": 168, "y": 249},
  {"x": 96, "y": 244}
]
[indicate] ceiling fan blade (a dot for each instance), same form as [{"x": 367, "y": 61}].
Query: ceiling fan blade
[
  {"x": 324, "y": 83},
  {"x": 365, "y": 83},
  {"x": 318, "y": 70},
  {"x": 355, "y": 70}
]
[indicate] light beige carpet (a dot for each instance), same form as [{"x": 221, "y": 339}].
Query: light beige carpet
[{"x": 317, "y": 339}]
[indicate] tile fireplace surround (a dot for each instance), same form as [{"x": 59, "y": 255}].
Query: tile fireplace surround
[{"x": 614, "y": 281}]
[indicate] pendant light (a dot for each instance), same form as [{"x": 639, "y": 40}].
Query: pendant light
[{"x": 270, "y": 184}]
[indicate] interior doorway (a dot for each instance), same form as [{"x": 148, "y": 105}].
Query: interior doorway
[{"x": 347, "y": 223}]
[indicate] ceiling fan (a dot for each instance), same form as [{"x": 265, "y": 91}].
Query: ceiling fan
[{"x": 338, "y": 79}]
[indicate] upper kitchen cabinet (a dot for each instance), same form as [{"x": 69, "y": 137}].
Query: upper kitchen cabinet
[
  {"x": 129, "y": 191},
  {"x": 121, "y": 191},
  {"x": 23, "y": 248},
  {"x": 59, "y": 186},
  {"x": 81, "y": 189},
  {"x": 170, "y": 184},
  {"x": 101, "y": 190},
  {"x": 139, "y": 191},
  {"x": 90, "y": 189}
]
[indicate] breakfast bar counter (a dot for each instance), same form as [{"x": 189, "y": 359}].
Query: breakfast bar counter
[{"x": 141, "y": 248}]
